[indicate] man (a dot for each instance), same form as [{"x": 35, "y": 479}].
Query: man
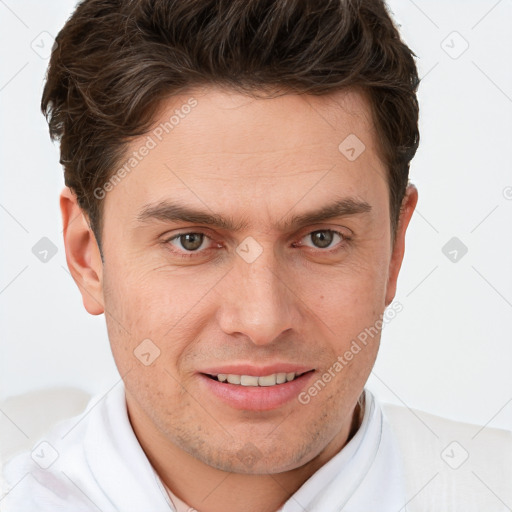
[{"x": 236, "y": 203}]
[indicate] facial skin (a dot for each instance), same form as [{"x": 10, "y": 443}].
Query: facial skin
[{"x": 259, "y": 162}]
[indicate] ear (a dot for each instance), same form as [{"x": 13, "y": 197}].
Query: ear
[
  {"x": 408, "y": 205},
  {"x": 82, "y": 253}
]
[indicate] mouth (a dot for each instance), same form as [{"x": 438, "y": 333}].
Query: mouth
[
  {"x": 273, "y": 379},
  {"x": 248, "y": 387}
]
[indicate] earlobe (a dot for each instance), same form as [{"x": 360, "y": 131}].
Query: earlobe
[
  {"x": 408, "y": 205},
  {"x": 82, "y": 253}
]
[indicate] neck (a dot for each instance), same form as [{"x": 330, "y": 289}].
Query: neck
[{"x": 208, "y": 489}]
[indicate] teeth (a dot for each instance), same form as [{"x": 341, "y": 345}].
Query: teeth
[
  {"x": 234, "y": 379},
  {"x": 248, "y": 380},
  {"x": 268, "y": 380},
  {"x": 251, "y": 380}
]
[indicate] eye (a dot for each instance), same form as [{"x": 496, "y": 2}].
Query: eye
[
  {"x": 190, "y": 242},
  {"x": 324, "y": 238}
]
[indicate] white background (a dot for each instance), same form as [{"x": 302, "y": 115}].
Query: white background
[{"x": 448, "y": 352}]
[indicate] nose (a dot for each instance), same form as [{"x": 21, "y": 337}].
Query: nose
[{"x": 257, "y": 300}]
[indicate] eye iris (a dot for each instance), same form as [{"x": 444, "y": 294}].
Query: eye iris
[
  {"x": 322, "y": 239},
  {"x": 191, "y": 241}
]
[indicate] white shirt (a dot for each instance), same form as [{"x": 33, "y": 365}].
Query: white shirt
[
  {"x": 365, "y": 475},
  {"x": 95, "y": 462}
]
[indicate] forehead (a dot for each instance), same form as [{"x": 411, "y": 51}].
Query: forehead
[
  {"x": 229, "y": 123},
  {"x": 226, "y": 149}
]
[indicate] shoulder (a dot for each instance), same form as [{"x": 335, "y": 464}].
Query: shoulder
[
  {"x": 425, "y": 423},
  {"x": 89, "y": 462},
  {"x": 48, "y": 470},
  {"x": 450, "y": 462}
]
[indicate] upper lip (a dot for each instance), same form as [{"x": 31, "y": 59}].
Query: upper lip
[{"x": 258, "y": 371}]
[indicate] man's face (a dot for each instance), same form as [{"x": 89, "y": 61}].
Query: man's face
[{"x": 268, "y": 291}]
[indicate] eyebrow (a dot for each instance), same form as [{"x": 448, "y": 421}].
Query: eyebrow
[{"x": 175, "y": 212}]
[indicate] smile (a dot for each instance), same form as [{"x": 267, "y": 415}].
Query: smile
[{"x": 273, "y": 379}]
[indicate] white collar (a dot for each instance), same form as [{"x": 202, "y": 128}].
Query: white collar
[
  {"x": 101, "y": 461},
  {"x": 340, "y": 483}
]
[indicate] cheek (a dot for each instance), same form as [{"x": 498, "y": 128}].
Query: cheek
[
  {"x": 141, "y": 297},
  {"x": 352, "y": 294},
  {"x": 165, "y": 307}
]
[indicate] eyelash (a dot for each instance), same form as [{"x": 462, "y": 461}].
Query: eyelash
[{"x": 191, "y": 254}]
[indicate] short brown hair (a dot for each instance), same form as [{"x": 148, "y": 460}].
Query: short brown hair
[{"x": 116, "y": 60}]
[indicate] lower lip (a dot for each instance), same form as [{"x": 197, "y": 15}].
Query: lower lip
[{"x": 257, "y": 398}]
